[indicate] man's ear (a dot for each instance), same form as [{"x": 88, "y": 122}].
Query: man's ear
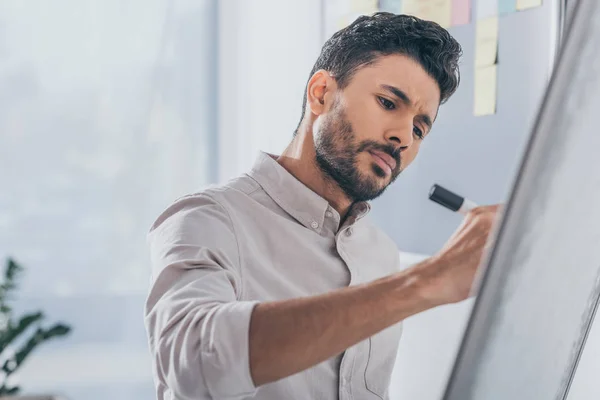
[{"x": 319, "y": 92}]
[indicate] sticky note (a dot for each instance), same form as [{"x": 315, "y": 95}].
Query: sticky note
[
  {"x": 486, "y": 8},
  {"x": 525, "y": 4},
  {"x": 486, "y": 42},
  {"x": 461, "y": 12},
  {"x": 507, "y": 6},
  {"x": 439, "y": 11},
  {"x": 486, "y": 90},
  {"x": 393, "y": 6},
  {"x": 363, "y": 6}
]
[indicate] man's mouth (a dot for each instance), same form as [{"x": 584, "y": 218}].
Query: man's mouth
[{"x": 384, "y": 161}]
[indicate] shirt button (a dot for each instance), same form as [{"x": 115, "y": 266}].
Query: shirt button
[
  {"x": 349, "y": 232},
  {"x": 328, "y": 214},
  {"x": 314, "y": 224}
]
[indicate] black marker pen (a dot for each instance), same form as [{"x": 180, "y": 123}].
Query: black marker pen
[{"x": 450, "y": 200}]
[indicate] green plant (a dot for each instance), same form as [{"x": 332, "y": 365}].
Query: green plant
[{"x": 13, "y": 330}]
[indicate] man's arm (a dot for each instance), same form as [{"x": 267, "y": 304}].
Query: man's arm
[
  {"x": 208, "y": 343},
  {"x": 289, "y": 336}
]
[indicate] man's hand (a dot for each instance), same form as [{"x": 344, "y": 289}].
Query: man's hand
[{"x": 450, "y": 278}]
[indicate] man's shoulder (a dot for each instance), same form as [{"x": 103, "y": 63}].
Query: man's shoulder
[
  {"x": 223, "y": 194},
  {"x": 212, "y": 200}
]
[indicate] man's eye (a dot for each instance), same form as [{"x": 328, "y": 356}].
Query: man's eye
[
  {"x": 418, "y": 132},
  {"x": 388, "y": 105}
]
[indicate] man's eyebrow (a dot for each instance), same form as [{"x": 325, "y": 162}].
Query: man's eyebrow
[
  {"x": 398, "y": 93},
  {"x": 426, "y": 119}
]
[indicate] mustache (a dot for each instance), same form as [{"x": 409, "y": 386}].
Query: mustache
[{"x": 389, "y": 149}]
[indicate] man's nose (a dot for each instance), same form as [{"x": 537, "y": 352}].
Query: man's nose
[{"x": 401, "y": 136}]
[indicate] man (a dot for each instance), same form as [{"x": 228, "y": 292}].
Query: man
[{"x": 276, "y": 286}]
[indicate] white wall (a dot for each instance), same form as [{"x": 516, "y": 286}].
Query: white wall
[{"x": 267, "y": 49}]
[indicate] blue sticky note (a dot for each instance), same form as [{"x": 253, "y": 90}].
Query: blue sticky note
[
  {"x": 507, "y": 6},
  {"x": 393, "y": 6}
]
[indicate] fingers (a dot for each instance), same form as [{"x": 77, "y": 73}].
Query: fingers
[
  {"x": 485, "y": 214},
  {"x": 493, "y": 208}
]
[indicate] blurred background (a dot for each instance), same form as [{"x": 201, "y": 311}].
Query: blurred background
[
  {"x": 108, "y": 112},
  {"x": 112, "y": 109}
]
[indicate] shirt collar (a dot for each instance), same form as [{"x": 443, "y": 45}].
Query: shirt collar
[{"x": 306, "y": 206}]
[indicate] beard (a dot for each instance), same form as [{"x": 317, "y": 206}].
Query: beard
[{"x": 337, "y": 153}]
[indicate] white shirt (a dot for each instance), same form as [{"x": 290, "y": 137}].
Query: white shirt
[{"x": 263, "y": 236}]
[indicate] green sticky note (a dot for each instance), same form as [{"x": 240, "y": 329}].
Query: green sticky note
[
  {"x": 393, "y": 6},
  {"x": 507, "y": 6}
]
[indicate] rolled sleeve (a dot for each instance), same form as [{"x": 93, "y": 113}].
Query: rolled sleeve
[
  {"x": 226, "y": 364},
  {"x": 197, "y": 322}
]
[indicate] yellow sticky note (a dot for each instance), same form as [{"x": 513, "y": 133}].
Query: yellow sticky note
[
  {"x": 524, "y": 4},
  {"x": 486, "y": 42},
  {"x": 363, "y": 6},
  {"x": 486, "y": 90},
  {"x": 439, "y": 11}
]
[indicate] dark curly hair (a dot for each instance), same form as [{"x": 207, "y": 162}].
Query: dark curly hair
[{"x": 370, "y": 37}]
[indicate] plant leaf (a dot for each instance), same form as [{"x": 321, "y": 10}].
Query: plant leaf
[
  {"x": 12, "y": 332},
  {"x": 41, "y": 335}
]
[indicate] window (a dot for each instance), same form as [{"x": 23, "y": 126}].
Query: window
[{"x": 107, "y": 115}]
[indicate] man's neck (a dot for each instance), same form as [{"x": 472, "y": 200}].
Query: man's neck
[{"x": 299, "y": 160}]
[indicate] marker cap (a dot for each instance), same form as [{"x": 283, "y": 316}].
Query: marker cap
[{"x": 446, "y": 198}]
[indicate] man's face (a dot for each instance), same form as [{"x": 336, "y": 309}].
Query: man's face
[{"x": 375, "y": 126}]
